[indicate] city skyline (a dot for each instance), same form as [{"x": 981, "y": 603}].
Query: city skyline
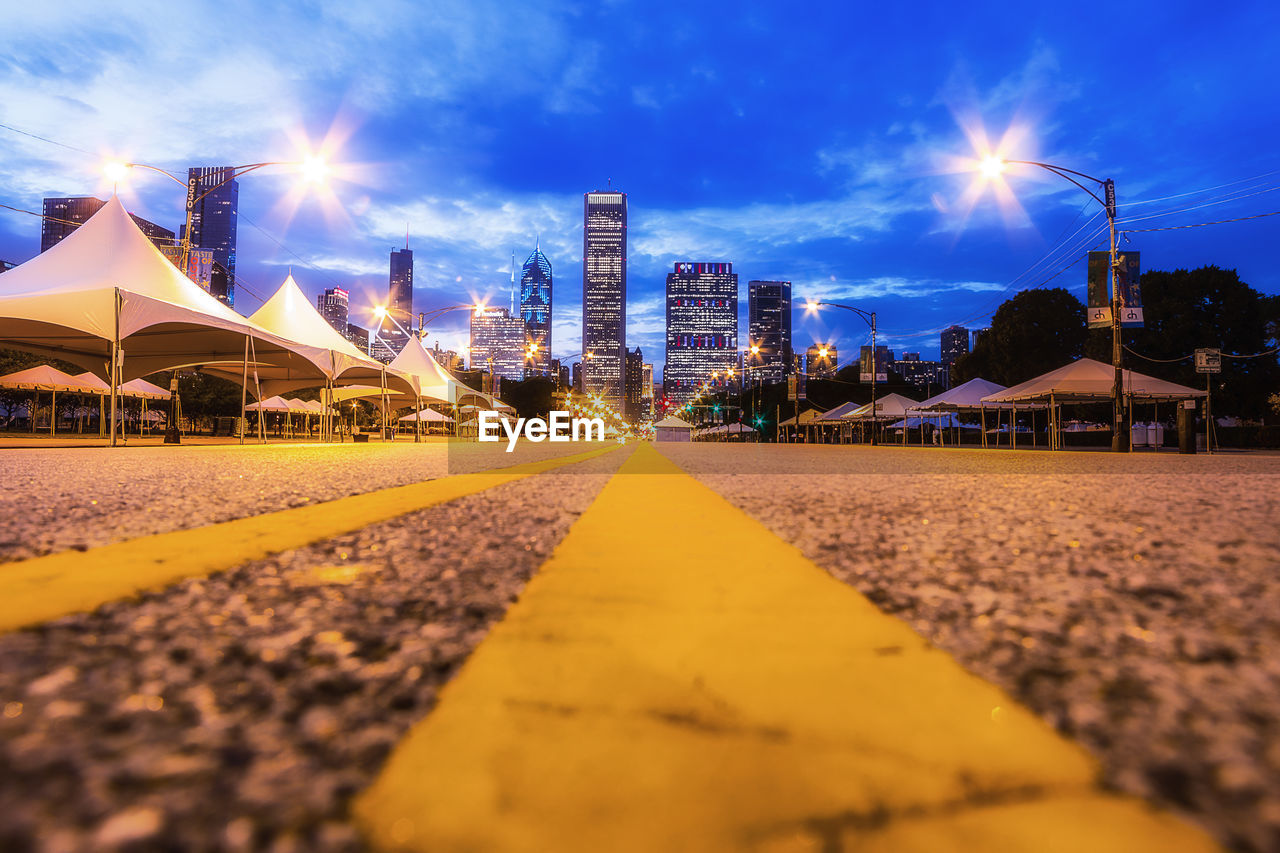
[{"x": 842, "y": 189}]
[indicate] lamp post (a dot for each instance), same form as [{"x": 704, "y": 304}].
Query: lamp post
[
  {"x": 870, "y": 318},
  {"x": 993, "y": 166}
]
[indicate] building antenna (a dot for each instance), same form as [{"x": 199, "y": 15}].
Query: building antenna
[
  {"x": 406, "y": 235},
  {"x": 513, "y": 284}
]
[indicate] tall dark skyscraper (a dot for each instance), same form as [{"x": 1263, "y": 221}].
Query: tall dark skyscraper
[
  {"x": 64, "y": 215},
  {"x": 604, "y": 294},
  {"x": 955, "y": 343},
  {"x": 535, "y": 310},
  {"x": 769, "y": 328},
  {"x": 702, "y": 327},
  {"x": 213, "y": 224},
  {"x": 332, "y": 305},
  {"x": 634, "y": 385},
  {"x": 399, "y": 300}
]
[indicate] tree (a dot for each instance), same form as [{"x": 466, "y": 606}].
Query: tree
[
  {"x": 1032, "y": 333},
  {"x": 1208, "y": 307}
]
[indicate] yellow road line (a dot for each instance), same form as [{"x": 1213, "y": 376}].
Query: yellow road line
[
  {"x": 676, "y": 677},
  {"x": 44, "y": 588}
]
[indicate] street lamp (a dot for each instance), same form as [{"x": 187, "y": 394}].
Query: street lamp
[
  {"x": 992, "y": 166},
  {"x": 870, "y": 317}
]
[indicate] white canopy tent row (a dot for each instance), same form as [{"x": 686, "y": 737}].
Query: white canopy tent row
[
  {"x": 106, "y": 299},
  {"x": 966, "y": 397},
  {"x": 45, "y": 377},
  {"x": 289, "y": 314},
  {"x": 672, "y": 428},
  {"x": 1086, "y": 380}
]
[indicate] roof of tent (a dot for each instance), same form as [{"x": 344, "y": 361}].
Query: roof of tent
[
  {"x": 290, "y": 314},
  {"x": 143, "y": 388},
  {"x": 63, "y": 302},
  {"x": 271, "y": 404},
  {"x": 808, "y": 416},
  {"x": 310, "y": 406},
  {"x": 1086, "y": 380},
  {"x": 44, "y": 377},
  {"x": 966, "y": 396},
  {"x": 432, "y": 380},
  {"x": 672, "y": 422},
  {"x": 889, "y": 406},
  {"x": 427, "y": 415},
  {"x": 841, "y": 411}
]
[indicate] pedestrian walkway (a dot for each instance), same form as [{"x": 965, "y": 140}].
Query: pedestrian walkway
[{"x": 677, "y": 677}]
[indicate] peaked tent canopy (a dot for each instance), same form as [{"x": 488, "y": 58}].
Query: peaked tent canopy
[
  {"x": 892, "y": 406},
  {"x": 107, "y": 285},
  {"x": 43, "y": 377},
  {"x": 271, "y": 404},
  {"x": 841, "y": 411},
  {"x": 427, "y": 415},
  {"x": 1088, "y": 381},
  {"x": 966, "y": 396},
  {"x": 672, "y": 422},
  {"x": 145, "y": 389},
  {"x": 805, "y": 418},
  {"x": 430, "y": 379}
]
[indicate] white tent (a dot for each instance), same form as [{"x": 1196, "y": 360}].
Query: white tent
[
  {"x": 890, "y": 406},
  {"x": 428, "y": 415},
  {"x": 1088, "y": 381},
  {"x": 105, "y": 298},
  {"x": 44, "y": 377},
  {"x": 839, "y": 412},
  {"x": 672, "y": 428},
  {"x": 271, "y": 404},
  {"x": 143, "y": 388},
  {"x": 432, "y": 381},
  {"x": 962, "y": 397}
]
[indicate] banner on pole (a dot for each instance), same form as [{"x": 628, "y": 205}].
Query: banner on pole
[
  {"x": 1128, "y": 271},
  {"x": 881, "y": 364},
  {"x": 1099, "y": 311}
]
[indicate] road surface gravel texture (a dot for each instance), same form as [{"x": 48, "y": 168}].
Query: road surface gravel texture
[
  {"x": 242, "y": 711},
  {"x": 60, "y": 498},
  {"x": 1137, "y": 610}
]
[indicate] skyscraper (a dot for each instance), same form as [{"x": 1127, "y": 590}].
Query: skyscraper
[
  {"x": 332, "y": 305},
  {"x": 821, "y": 360},
  {"x": 634, "y": 385},
  {"x": 359, "y": 337},
  {"x": 497, "y": 343},
  {"x": 535, "y": 311},
  {"x": 702, "y": 327},
  {"x": 64, "y": 215},
  {"x": 955, "y": 343},
  {"x": 213, "y": 224},
  {"x": 399, "y": 319},
  {"x": 604, "y": 294},
  {"x": 646, "y": 391},
  {"x": 769, "y": 328}
]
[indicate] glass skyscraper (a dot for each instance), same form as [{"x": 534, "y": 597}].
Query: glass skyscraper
[
  {"x": 498, "y": 343},
  {"x": 769, "y": 328},
  {"x": 399, "y": 301},
  {"x": 535, "y": 310},
  {"x": 213, "y": 224},
  {"x": 332, "y": 305},
  {"x": 702, "y": 328},
  {"x": 604, "y": 294},
  {"x": 64, "y": 215}
]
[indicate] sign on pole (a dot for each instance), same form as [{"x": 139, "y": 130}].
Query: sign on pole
[
  {"x": 1208, "y": 360},
  {"x": 1128, "y": 271},
  {"x": 881, "y": 365},
  {"x": 1099, "y": 311}
]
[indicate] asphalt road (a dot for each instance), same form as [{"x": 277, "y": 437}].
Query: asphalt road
[{"x": 1131, "y": 601}]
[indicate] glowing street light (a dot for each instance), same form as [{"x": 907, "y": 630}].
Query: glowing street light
[
  {"x": 992, "y": 166},
  {"x": 812, "y": 306}
]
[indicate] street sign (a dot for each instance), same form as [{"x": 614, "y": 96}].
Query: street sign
[{"x": 1208, "y": 360}]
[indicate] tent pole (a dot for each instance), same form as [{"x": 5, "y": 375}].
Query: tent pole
[
  {"x": 244, "y": 391},
  {"x": 114, "y": 372},
  {"x": 53, "y": 412},
  {"x": 102, "y": 415},
  {"x": 417, "y": 423},
  {"x": 257, "y": 391}
]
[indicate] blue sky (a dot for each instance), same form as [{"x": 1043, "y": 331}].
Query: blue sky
[{"x": 820, "y": 143}]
